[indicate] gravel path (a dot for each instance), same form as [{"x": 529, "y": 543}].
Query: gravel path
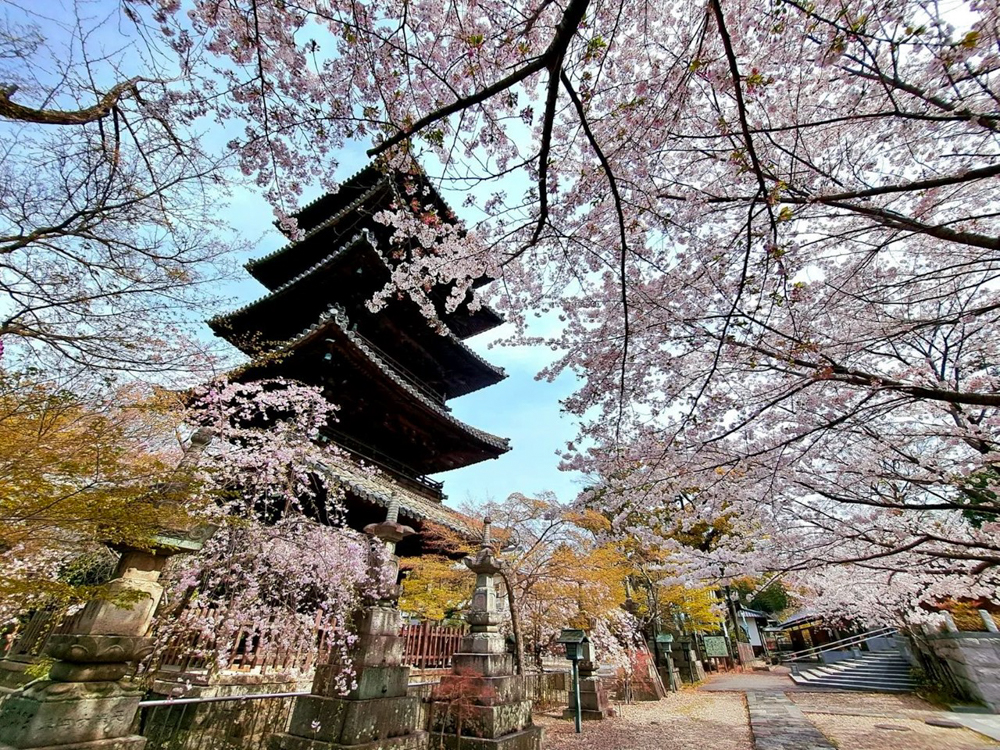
[
  {"x": 876, "y": 721},
  {"x": 705, "y": 720},
  {"x": 681, "y": 721}
]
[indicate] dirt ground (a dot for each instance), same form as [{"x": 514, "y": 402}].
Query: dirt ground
[
  {"x": 706, "y": 720},
  {"x": 876, "y": 721},
  {"x": 688, "y": 719}
]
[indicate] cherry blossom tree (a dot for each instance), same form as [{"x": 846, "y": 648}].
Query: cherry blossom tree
[
  {"x": 767, "y": 232},
  {"x": 282, "y": 566}
]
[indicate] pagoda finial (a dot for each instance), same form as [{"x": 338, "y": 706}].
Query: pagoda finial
[
  {"x": 487, "y": 541},
  {"x": 392, "y": 512},
  {"x": 485, "y": 561}
]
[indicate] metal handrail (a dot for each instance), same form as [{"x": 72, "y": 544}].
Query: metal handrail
[
  {"x": 217, "y": 699},
  {"x": 245, "y": 697},
  {"x": 835, "y": 645}
]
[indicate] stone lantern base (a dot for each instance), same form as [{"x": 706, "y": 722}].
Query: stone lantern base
[
  {"x": 594, "y": 703},
  {"x": 377, "y": 714},
  {"x": 482, "y": 705},
  {"x": 85, "y": 702},
  {"x": 95, "y": 715}
]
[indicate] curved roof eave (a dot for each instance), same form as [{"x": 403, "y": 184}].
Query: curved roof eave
[
  {"x": 336, "y": 317},
  {"x": 379, "y": 489}
]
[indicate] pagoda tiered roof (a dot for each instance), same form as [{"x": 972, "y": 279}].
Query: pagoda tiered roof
[
  {"x": 334, "y": 217},
  {"x": 384, "y": 414},
  {"x": 379, "y": 489},
  {"x": 349, "y": 275},
  {"x": 390, "y": 371}
]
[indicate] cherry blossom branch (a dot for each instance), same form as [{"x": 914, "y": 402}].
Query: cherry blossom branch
[
  {"x": 104, "y": 107},
  {"x": 616, "y": 195},
  {"x": 571, "y": 19},
  {"x": 851, "y": 376},
  {"x": 741, "y": 109}
]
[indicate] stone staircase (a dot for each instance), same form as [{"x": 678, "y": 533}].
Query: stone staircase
[{"x": 880, "y": 671}]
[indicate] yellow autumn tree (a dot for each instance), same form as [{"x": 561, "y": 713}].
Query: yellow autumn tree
[
  {"x": 78, "y": 468},
  {"x": 435, "y": 587},
  {"x": 697, "y": 609},
  {"x": 664, "y": 600},
  {"x": 555, "y": 570}
]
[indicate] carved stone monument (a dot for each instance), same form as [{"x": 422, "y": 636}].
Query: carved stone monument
[
  {"x": 87, "y": 702},
  {"x": 482, "y": 705},
  {"x": 377, "y": 714}
]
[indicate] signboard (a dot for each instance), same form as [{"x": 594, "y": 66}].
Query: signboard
[{"x": 715, "y": 646}]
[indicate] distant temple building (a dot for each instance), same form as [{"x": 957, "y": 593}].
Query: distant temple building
[{"x": 391, "y": 373}]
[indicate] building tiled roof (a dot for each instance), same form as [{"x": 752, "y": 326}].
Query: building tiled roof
[
  {"x": 753, "y": 613},
  {"x": 338, "y": 318},
  {"x": 501, "y": 444},
  {"x": 501, "y": 372},
  {"x": 382, "y": 182},
  {"x": 377, "y": 488},
  {"x": 363, "y": 236},
  {"x": 335, "y": 316},
  {"x": 798, "y": 618},
  {"x": 352, "y": 206}
]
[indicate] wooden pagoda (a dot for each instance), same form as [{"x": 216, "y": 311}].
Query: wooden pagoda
[{"x": 391, "y": 372}]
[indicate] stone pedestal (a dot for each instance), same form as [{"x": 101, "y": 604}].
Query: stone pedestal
[
  {"x": 482, "y": 704},
  {"x": 97, "y": 714},
  {"x": 377, "y": 714},
  {"x": 594, "y": 703},
  {"x": 86, "y": 701}
]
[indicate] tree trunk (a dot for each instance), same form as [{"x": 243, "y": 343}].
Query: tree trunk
[{"x": 515, "y": 625}]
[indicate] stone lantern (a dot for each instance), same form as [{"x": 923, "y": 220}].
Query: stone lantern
[
  {"x": 377, "y": 713},
  {"x": 87, "y": 700},
  {"x": 482, "y": 705}
]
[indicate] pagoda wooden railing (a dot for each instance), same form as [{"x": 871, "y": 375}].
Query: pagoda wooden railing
[
  {"x": 403, "y": 372},
  {"x": 395, "y": 467}
]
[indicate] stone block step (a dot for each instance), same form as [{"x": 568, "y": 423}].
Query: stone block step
[
  {"x": 863, "y": 671},
  {"x": 813, "y": 675},
  {"x": 810, "y": 675},
  {"x": 885, "y": 680},
  {"x": 856, "y": 685},
  {"x": 884, "y": 672}
]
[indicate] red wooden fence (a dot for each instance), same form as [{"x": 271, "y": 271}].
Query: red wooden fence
[
  {"x": 429, "y": 645},
  {"x": 259, "y": 650}
]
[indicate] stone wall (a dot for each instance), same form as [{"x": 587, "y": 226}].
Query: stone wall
[{"x": 970, "y": 662}]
